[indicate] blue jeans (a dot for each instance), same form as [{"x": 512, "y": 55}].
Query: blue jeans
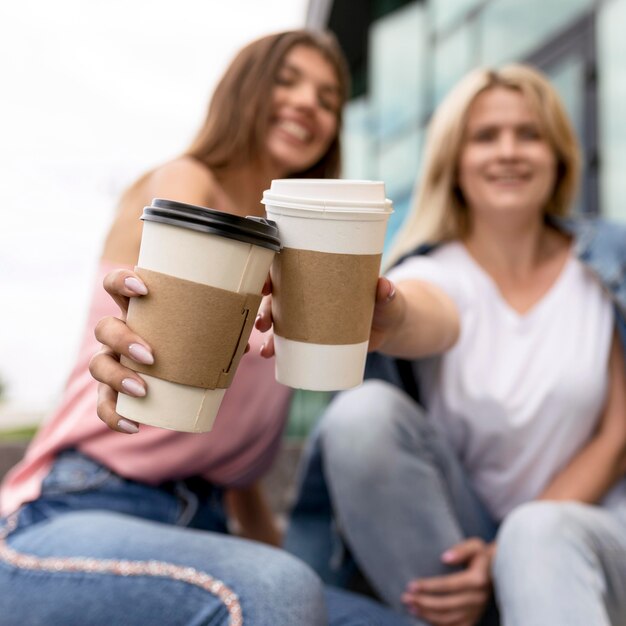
[
  {"x": 380, "y": 479},
  {"x": 96, "y": 549}
]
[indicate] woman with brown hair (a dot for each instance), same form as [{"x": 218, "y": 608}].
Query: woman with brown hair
[{"x": 102, "y": 528}]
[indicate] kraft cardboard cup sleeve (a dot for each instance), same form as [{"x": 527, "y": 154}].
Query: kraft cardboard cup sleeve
[
  {"x": 204, "y": 270},
  {"x": 324, "y": 280}
]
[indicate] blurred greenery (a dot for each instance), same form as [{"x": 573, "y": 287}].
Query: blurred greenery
[
  {"x": 305, "y": 409},
  {"x": 17, "y": 434}
]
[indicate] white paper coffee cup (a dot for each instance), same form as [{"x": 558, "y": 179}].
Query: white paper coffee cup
[
  {"x": 340, "y": 217},
  {"x": 207, "y": 247}
]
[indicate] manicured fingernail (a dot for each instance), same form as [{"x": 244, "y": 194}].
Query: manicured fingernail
[
  {"x": 127, "y": 426},
  {"x": 392, "y": 294},
  {"x": 133, "y": 387},
  {"x": 447, "y": 556},
  {"x": 258, "y": 317},
  {"x": 135, "y": 285},
  {"x": 140, "y": 353},
  {"x": 262, "y": 349}
]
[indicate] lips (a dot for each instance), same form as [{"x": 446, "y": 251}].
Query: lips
[{"x": 508, "y": 178}]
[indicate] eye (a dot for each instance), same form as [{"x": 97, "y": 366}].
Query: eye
[
  {"x": 328, "y": 103},
  {"x": 484, "y": 135},
  {"x": 285, "y": 79},
  {"x": 529, "y": 132},
  {"x": 287, "y": 76}
]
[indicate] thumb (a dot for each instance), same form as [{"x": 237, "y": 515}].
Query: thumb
[
  {"x": 463, "y": 552},
  {"x": 385, "y": 290}
]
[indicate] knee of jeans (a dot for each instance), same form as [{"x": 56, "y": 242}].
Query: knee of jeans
[
  {"x": 531, "y": 533},
  {"x": 368, "y": 422},
  {"x": 289, "y": 577}
]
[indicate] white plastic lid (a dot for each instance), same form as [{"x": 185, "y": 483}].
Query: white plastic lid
[{"x": 316, "y": 193}]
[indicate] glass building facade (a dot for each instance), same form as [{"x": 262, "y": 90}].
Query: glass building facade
[{"x": 417, "y": 51}]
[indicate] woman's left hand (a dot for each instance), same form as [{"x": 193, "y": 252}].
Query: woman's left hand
[{"x": 457, "y": 599}]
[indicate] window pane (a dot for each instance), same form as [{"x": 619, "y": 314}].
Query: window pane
[
  {"x": 513, "y": 29},
  {"x": 612, "y": 102},
  {"x": 397, "y": 53},
  {"x": 398, "y": 162},
  {"x": 569, "y": 79},
  {"x": 443, "y": 13},
  {"x": 356, "y": 140},
  {"x": 453, "y": 57},
  {"x": 398, "y": 165}
]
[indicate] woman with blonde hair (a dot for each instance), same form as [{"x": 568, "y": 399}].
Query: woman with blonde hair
[
  {"x": 439, "y": 212},
  {"x": 101, "y": 528},
  {"x": 491, "y": 457}
]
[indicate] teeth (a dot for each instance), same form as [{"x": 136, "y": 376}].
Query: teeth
[
  {"x": 508, "y": 179},
  {"x": 295, "y": 129}
]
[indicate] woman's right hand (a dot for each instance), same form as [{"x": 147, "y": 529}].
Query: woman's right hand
[{"x": 117, "y": 339}]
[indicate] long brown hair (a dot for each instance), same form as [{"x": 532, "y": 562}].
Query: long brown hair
[
  {"x": 438, "y": 212},
  {"x": 237, "y": 120}
]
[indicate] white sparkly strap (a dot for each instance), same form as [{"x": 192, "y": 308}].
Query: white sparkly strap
[{"x": 116, "y": 567}]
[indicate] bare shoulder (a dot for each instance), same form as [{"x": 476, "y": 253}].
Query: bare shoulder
[{"x": 184, "y": 179}]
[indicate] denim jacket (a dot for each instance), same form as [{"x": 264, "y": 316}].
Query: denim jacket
[{"x": 598, "y": 244}]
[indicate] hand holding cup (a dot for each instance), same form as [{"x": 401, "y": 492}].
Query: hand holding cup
[
  {"x": 204, "y": 272},
  {"x": 385, "y": 316},
  {"x": 117, "y": 339}
]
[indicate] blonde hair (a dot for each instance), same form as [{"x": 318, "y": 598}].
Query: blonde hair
[{"x": 438, "y": 213}]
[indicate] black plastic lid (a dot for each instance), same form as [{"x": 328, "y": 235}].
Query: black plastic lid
[{"x": 254, "y": 230}]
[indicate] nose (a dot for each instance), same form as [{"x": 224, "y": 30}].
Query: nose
[
  {"x": 507, "y": 146},
  {"x": 304, "y": 95}
]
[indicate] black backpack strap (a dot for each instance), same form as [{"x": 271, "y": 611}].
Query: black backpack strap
[
  {"x": 407, "y": 378},
  {"x": 398, "y": 372}
]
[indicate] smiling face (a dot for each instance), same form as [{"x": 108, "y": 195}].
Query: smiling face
[
  {"x": 506, "y": 163},
  {"x": 304, "y": 118}
]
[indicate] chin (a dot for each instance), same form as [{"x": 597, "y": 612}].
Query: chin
[
  {"x": 291, "y": 166},
  {"x": 292, "y": 159}
]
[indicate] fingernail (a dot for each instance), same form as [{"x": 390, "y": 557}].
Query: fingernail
[
  {"x": 133, "y": 387},
  {"x": 258, "y": 317},
  {"x": 262, "y": 348},
  {"x": 127, "y": 426},
  {"x": 135, "y": 285},
  {"x": 141, "y": 354},
  {"x": 447, "y": 556},
  {"x": 413, "y": 586},
  {"x": 392, "y": 293}
]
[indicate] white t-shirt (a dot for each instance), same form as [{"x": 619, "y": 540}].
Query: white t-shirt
[{"x": 518, "y": 395}]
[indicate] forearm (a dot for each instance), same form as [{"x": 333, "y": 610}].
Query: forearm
[
  {"x": 602, "y": 462},
  {"x": 252, "y": 514},
  {"x": 423, "y": 321},
  {"x": 590, "y": 474}
]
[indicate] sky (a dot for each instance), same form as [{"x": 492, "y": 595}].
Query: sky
[{"x": 93, "y": 94}]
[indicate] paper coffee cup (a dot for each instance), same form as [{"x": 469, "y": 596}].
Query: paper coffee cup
[
  {"x": 200, "y": 262},
  {"x": 324, "y": 280}
]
